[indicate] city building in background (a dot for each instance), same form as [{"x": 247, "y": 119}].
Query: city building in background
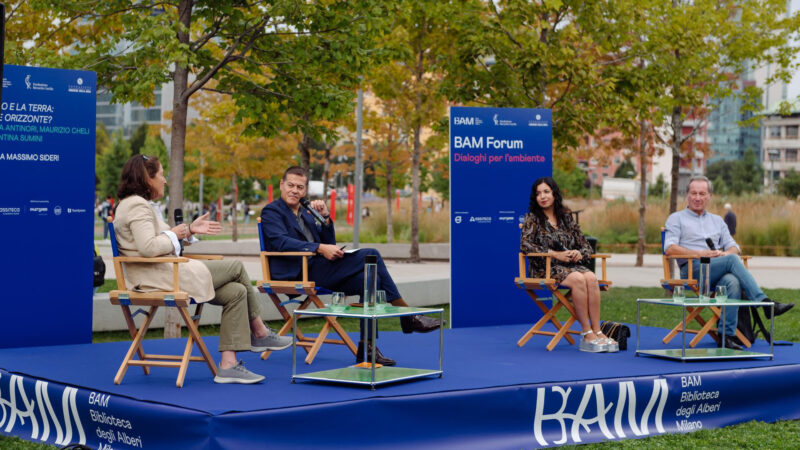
[{"x": 781, "y": 143}]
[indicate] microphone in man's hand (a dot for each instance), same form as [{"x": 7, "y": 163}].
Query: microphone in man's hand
[
  {"x": 710, "y": 244},
  {"x": 178, "y": 216},
  {"x": 317, "y": 216}
]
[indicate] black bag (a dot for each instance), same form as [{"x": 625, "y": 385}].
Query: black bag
[
  {"x": 750, "y": 324},
  {"x": 99, "y": 270},
  {"x": 616, "y": 331}
]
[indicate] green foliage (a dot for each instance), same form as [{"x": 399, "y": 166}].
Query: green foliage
[
  {"x": 790, "y": 184},
  {"x": 659, "y": 188},
  {"x": 572, "y": 182},
  {"x": 138, "y": 138},
  {"x": 625, "y": 170},
  {"x": 154, "y": 145},
  {"x": 109, "y": 165},
  {"x": 737, "y": 177},
  {"x": 101, "y": 139}
]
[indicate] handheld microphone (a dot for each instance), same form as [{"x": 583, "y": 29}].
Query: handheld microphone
[
  {"x": 178, "y": 216},
  {"x": 317, "y": 216},
  {"x": 710, "y": 244}
]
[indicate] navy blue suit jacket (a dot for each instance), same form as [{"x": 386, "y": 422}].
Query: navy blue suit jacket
[{"x": 281, "y": 233}]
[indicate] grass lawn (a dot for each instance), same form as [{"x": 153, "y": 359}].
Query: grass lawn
[{"x": 619, "y": 304}]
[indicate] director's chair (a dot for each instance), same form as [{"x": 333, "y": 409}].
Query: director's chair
[
  {"x": 708, "y": 326},
  {"x": 540, "y": 289},
  {"x": 293, "y": 289},
  {"x": 176, "y": 298}
]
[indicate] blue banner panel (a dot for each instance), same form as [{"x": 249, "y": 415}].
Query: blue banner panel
[
  {"x": 528, "y": 416},
  {"x": 53, "y": 413},
  {"x": 495, "y": 156},
  {"x": 47, "y": 153}
]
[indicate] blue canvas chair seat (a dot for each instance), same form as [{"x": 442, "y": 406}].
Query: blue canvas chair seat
[
  {"x": 541, "y": 289},
  {"x": 294, "y": 289},
  {"x": 180, "y": 300},
  {"x": 708, "y": 325}
]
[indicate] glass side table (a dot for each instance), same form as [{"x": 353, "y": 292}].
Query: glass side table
[
  {"x": 689, "y": 354},
  {"x": 368, "y": 374}
]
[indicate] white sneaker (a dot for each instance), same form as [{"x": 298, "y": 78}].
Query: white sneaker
[{"x": 237, "y": 374}]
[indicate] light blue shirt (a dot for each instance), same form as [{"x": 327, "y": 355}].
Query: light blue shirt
[{"x": 689, "y": 230}]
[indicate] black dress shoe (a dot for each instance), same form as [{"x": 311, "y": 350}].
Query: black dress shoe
[
  {"x": 731, "y": 343},
  {"x": 780, "y": 308},
  {"x": 379, "y": 358},
  {"x": 418, "y": 323}
]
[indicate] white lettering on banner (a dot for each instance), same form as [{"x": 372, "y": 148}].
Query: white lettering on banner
[
  {"x": 627, "y": 395},
  {"x": 64, "y": 425},
  {"x": 694, "y": 380},
  {"x": 467, "y": 142},
  {"x": 491, "y": 142}
]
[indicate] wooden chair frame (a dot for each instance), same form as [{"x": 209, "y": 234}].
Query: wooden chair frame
[
  {"x": 707, "y": 326},
  {"x": 294, "y": 288},
  {"x": 562, "y": 299},
  {"x": 175, "y": 298}
]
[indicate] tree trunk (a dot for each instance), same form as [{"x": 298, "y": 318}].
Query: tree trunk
[
  {"x": 180, "y": 107},
  {"x": 642, "y": 192},
  {"x": 305, "y": 153},
  {"x": 676, "y": 158},
  {"x": 389, "y": 188},
  {"x": 415, "y": 157},
  {"x": 234, "y": 208},
  {"x": 326, "y": 171}
]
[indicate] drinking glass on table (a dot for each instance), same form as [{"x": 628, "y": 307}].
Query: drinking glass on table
[
  {"x": 721, "y": 293},
  {"x": 380, "y": 300},
  {"x": 678, "y": 294},
  {"x": 338, "y": 301}
]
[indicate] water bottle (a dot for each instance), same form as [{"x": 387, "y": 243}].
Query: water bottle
[
  {"x": 370, "y": 281},
  {"x": 705, "y": 281}
]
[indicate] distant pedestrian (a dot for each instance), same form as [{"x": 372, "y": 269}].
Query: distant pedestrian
[
  {"x": 104, "y": 212},
  {"x": 730, "y": 219},
  {"x": 246, "y": 213}
]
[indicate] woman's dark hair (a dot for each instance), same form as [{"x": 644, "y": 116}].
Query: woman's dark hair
[
  {"x": 135, "y": 175},
  {"x": 559, "y": 209}
]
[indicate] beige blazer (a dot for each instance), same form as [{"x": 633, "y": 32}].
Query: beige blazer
[{"x": 138, "y": 230}]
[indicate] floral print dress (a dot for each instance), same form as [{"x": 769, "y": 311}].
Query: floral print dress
[{"x": 539, "y": 238}]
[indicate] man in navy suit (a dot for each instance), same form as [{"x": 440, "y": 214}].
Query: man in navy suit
[{"x": 287, "y": 227}]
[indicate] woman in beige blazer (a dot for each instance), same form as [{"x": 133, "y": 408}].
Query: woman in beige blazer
[{"x": 141, "y": 231}]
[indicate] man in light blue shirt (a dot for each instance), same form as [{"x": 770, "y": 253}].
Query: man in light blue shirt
[{"x": 695, "y": 231}]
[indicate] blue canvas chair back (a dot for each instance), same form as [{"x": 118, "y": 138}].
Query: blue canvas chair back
[
  {"x": 112, "y": 236},
  {"x": 261, "y": 238}
]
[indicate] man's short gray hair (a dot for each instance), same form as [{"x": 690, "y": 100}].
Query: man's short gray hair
[{"x": 702, "y": 178}]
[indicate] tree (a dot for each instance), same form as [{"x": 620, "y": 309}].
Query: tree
[
  {"x": 109, "y": 165},
  {"x": 419, "y": 39},
  {"x": 257, "y": 52},
  {"x": 659, "y": 188},
  {"x": 385, "y": 151},
  {"x": 572, "y": 182},
  {"x": 625, "y": 170},
  {"x": 544, "y": 54},
  {"x": 138, "y": 137},
  {"x": 747, "y": 174},
  {"x": 228, "y": 152},
  {"x": 789, "y": 185},
  {"x": 154, "y": 145},
  {"x": 700, "y": 49}
]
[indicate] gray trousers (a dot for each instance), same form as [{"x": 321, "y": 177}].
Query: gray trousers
[{"x": 239, "y": 301}]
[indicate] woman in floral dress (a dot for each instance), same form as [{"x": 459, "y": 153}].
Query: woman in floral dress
[{"x": 549, "y": 228}]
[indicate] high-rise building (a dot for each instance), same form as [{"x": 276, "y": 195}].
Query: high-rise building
[
  {"x": 128, "y": 116},
  {"x": 728, "y": 138}
]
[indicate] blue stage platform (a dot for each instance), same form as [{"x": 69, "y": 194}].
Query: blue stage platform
[{"x": 493, "y": 395}]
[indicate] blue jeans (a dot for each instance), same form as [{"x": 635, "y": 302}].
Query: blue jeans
[{"x": 729, "y": 271}]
